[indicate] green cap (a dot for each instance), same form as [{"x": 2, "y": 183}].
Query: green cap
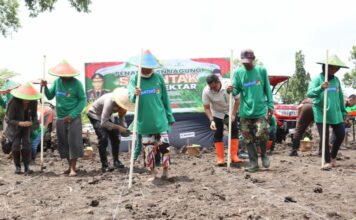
[{"x": 334, "y": 61}]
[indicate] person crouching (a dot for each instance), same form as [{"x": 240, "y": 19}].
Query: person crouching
[
  {"x": 99, "y": 115},
  {"x": 21, "y": 116}
]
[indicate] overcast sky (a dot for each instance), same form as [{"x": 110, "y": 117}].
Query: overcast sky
[{"x": 116, "y": 30}]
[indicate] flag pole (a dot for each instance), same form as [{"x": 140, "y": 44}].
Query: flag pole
[
  {"x": 324, "y": 110},
  {"x": 230, "y": 110},
  {"x": 42, "y": 111},
  {"x": 134, "y": 134}
]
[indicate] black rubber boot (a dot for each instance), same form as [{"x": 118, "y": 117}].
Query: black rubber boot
[
  {"x": 105, "y": 167},
  {"x": 26, "y": 157},
  {"x": 295, "y": 147},
  {"x": 118, "y": 164},
  {"x": 115, "y": 157},
  {"x": 104, "y": 160},
  {"x": 253, "y": 157},
  {"x": 264, "y": 156},
  {"x": 17, "y": 161}
]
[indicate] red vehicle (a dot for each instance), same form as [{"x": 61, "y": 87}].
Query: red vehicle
[
  {"x": 286, "y": 114},
  {"x": 49, "y": 123}
]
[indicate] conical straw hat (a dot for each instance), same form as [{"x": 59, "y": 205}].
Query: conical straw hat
[
  {"x": 63, "y": 69},
  {"x": 121, "y": 97},
  {"x": 334, "y": 61},
  {"x": 149, "y": 61},
  {"x": 26, "y": 92}
]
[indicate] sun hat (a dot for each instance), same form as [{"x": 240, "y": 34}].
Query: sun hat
[
  {"x": 63, "y": 69},
  {"x": 26, "y": 92},
  {"x": 9, "y": 85},
  {"x": 121, "y": 97}
]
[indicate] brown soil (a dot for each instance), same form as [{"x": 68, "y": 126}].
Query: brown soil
[{"x": 292, "y": 188}]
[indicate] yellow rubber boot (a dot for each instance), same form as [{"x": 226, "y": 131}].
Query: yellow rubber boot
[
  {"x": 234, "y": 150},
  {"x": 219, "y": 149}
]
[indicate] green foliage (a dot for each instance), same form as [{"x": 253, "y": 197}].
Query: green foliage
[
  {"x": 350, "y": 78},
  {"x": 297, "y": 86},
  {"x": 9, "y": 21}
]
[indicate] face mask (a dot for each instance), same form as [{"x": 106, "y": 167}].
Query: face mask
[{"x": 147, "y": 75}]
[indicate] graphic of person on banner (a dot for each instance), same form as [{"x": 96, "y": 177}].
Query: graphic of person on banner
[
  {"x": 97, "y": 81},
  {"x": 154, "y": 112}
]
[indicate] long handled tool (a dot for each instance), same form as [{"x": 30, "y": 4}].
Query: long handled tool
[
  {"x": 42, "y": 111},
  {"x": 230, "y": 110},
  {"x": 324, "y": 110},
  {"x": 134, "y": 134}
]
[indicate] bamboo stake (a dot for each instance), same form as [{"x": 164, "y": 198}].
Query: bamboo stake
[
  {"x": 230, "y": 110},
  {"x": 134, "y": 134},
  {"x": 42, "y": 111},
  {"x": 324, "y": 110}
]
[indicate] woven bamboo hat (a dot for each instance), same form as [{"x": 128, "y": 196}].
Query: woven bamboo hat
[{"x": 26, "y": 92}]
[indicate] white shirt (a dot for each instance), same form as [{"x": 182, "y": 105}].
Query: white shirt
[{"x": 218, "y": 101}]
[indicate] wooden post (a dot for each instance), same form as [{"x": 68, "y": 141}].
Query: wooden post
[
  {"x": 42, "y": 111},
  {"x": 324, "y": 111},
  {"x": 134, "y": 133},
  {"x": 230, "y": 110}
]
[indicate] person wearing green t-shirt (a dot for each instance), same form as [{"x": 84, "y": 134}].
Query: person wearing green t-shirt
[
  {"x": 256, "y": 103},
  {"x": 335, "y": 107},
  {"x": 154, "y": 116},
  {"x": 70, "y": 102},
  {"x": 350, "y": 104}
]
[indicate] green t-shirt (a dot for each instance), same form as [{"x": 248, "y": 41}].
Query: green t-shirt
[
  {"x": 255, "y": 91},
  {"x": 154, "y": 110},
  {"x": 335, "y": 107},
  {"x": 351, "y": 108},
  {"x": 70, "y": 97}
]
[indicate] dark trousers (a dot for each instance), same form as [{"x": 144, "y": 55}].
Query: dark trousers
[
  {"x": 103, "y": 135},
  {"x": 22, "y": 139},
  {"x": 219, "y": 133},
  {"x": 305, "y": 118},
  {"x": 272, "y": 137},
  {"x": 339, "y": 131}
]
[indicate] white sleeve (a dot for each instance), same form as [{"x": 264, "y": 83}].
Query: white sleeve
[{"x": 205, "y": 97}]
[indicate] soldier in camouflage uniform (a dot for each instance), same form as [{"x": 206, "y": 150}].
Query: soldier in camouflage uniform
[{"x": 252, "y": 83}]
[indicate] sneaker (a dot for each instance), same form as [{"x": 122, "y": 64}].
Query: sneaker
[
  {"x": 252, "y": 169},
  {"x": 265, "y": 161},
  {"x": 294, "y": 153}
]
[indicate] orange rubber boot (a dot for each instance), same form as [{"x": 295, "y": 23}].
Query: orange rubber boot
[
  {"x": 234, "y": 150},
  {"x": 219, "y": 149}
]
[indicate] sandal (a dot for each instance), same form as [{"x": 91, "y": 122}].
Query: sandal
[{"x": 326, "y": 166}]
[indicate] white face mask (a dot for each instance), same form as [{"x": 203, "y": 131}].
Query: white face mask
[{"x": 147, "y": 75}]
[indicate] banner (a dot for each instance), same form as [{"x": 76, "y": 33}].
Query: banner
[{"x": 184, "y": 78}]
